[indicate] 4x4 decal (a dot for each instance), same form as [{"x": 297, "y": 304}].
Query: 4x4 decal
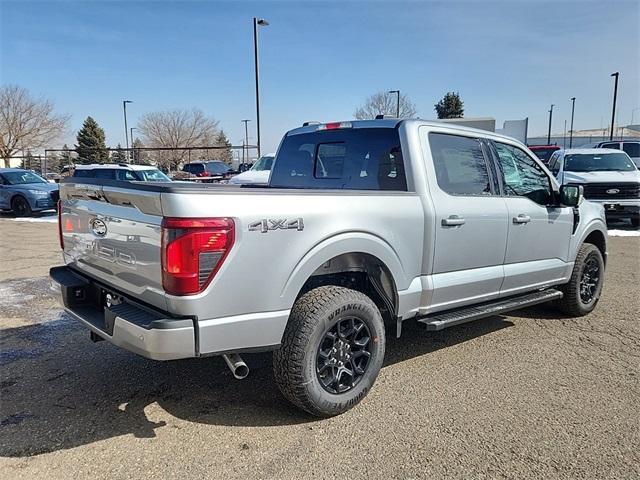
[{"x": 267, "y": 224}]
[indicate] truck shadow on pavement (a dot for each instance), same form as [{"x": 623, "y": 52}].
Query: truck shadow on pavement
[{"x": 59, "y": 391}]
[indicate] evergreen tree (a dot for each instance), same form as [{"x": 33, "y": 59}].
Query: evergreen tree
[
  {"x": 65, "y": 157},
  {"x": 119, "y": 156},
  {"x": 91, "y": 145},
  {"x": 451, "y": 106},
  {"x": 225, "y": 153}
]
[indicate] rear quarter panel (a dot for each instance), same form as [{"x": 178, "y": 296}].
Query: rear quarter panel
[{"x": 265, "y": 271}]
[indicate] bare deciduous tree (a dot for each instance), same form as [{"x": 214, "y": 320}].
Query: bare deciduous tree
[
  {"x": 177, "y": 129},
  {"x": 385, "y": 103},
  {"x": 26, "y": 123}
]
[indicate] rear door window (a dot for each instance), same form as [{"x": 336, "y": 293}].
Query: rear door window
[
  {"x": 350, "y": 159},
  {"x": 461, "y": 167},
  {"x": 631, "y": 148},
  {"x": 614, "y": 145},
  {"x": 107, "y": 173},
  {"x": 81, "y": 173}
]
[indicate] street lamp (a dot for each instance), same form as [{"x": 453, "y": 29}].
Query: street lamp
[
  {"x": 573, "y": 107},
  {"x": 549, "y": 133},
  {"x": 397, "y": 92},
  {"x": 246, "y": 139},
  {"x": 262, "y": 23},
  {"x": 132, "y": 144},
  {"x": 615, "y": 96},
  {"x": 126, "y": 130}
]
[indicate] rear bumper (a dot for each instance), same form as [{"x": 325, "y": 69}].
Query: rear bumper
[{"x": 132, "y": 327}]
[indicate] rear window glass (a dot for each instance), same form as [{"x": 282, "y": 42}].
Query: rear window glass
[
  {"x": 350, "y": 159},
  {"x": 83, "y": 173},
  {"x": 193, "y": 168}
]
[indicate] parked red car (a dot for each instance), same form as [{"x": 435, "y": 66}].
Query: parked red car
[{"x": 544, "y": 152}]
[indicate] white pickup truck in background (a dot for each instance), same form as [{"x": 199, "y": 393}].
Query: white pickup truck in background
[{"x": 363, "y": 225}]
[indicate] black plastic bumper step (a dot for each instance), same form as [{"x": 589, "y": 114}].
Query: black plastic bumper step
[{"x": 439, "y": 321}]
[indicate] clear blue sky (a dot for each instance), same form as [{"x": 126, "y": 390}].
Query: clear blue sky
[{"x": 320, "y": 60}]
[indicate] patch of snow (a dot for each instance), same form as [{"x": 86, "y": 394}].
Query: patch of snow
[
  {"x": 624, "y": 233},
  {"x": 51, "y": 219}
]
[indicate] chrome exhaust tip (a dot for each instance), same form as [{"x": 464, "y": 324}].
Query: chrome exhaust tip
[{"x": 236, "y": 365}]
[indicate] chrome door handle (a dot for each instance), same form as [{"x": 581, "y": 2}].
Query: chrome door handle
[
  {"x": 522, "y": 218},
  {"x": 452, "y": 221}
]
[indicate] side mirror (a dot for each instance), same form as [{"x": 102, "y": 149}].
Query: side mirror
[{"x": 571, "y": 195}]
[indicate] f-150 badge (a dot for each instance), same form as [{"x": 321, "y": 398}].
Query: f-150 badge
[{"x": 267, "y": 224}]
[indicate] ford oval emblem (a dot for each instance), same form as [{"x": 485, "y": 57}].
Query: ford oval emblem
[
  {"x": 99, "y": 227},
  {"x": 613, "y": 191}
]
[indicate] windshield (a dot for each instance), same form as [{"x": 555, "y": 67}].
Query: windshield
[
  {"x": 22, "y": 178},
  {"x": 598, "y": 162},
  {"x": 217, "y": 167},
  {"x": 264, "y": 163},
  {"x": 153, "y": 175}
]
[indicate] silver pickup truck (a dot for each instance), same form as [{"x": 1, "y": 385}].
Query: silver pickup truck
[{"x": 364, "y": 225}]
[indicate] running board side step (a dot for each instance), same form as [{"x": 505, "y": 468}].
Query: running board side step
[{"x": 439, "y": 321}]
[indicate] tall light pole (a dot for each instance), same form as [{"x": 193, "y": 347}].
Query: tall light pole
[
  {"x": 256, "y": 23},
  {"x": 613, "y": 110},
  {"x": 126, "y": 130},
  {"x": 132, "y": 144},
  {"x": 397, "y": 92},
  {"x": 573, "y": 107},
  {"x": 246, "y": 138},
  {"x": 549, "y": 132}
]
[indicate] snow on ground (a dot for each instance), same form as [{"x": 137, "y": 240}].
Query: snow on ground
[
  {"x": 51, "y": 219},
  {"x": 623, "y": 233}
]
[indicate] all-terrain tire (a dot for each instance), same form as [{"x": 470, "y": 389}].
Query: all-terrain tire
[
  {"x": 314, "y": 317},
  {"x": 572, "y": 303}
]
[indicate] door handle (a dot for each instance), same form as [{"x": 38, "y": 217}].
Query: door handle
[
  {"x": 452, "y": 221},
  {"x": 522, "y": 218}
]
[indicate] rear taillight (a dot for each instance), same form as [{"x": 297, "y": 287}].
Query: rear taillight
[
  {"x": 204, "y": 174},
  {"x": 60, "y": 237},
  {"x": 193, "y": 249}
]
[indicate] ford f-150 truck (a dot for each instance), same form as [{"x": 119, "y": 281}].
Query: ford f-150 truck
[{"x": 363, "y": 226}]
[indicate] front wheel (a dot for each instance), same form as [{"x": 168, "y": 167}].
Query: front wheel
[
  {"x": 20, "y": 206},
  {"x": 582, "y": 292},
  {"x": 332, "y": 350}
]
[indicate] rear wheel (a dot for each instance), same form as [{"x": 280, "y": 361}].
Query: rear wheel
[
  {"x": 332, "y": 350},
  {"x": 20, "y": 206},
  {"x": 582, "y": 292}
]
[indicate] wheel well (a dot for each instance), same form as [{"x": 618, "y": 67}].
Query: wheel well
[
  {"x": 597, "y": 238},
  {"x": 362, "y": 272}
]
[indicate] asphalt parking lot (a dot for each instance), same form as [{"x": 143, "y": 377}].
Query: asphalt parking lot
[{"x": 529, "y": 395}]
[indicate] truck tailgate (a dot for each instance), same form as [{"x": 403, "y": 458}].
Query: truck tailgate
[{"x": 114, "y": 234}]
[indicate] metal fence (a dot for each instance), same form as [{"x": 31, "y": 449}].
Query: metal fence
[{"x": 167, "y": 158}]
